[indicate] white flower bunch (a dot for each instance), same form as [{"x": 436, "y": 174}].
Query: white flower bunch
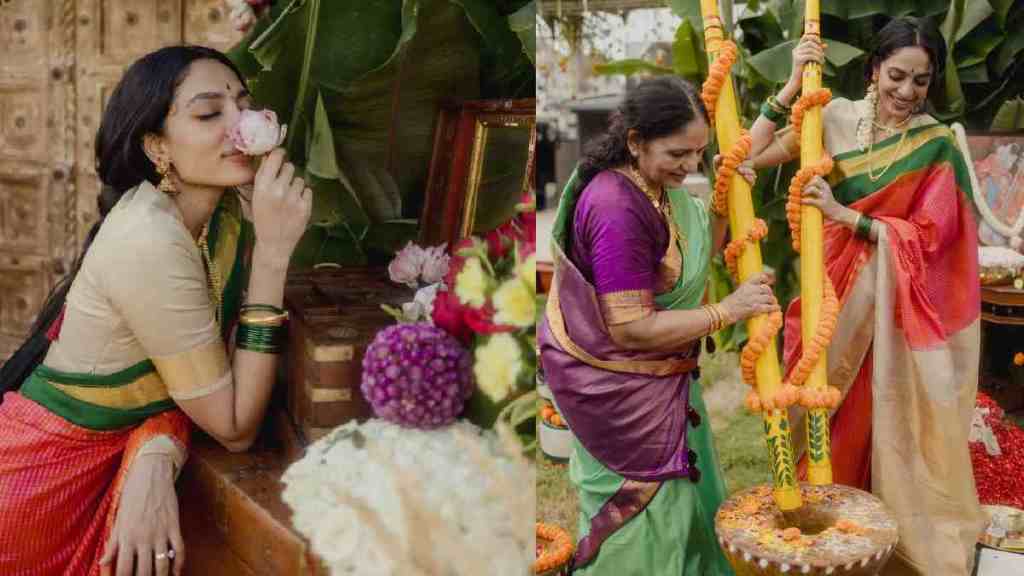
[
  {"x": 1000, "y": 257},
  {"x": 376, "y": 499}
]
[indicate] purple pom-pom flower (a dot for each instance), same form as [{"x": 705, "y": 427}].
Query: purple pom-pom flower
[{"x": 417, "y": 375}]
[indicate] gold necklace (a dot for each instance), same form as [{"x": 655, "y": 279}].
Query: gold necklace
[
  {"x": 641, "y": 183},
  {"x": 213, "y": 280},
  {"x": 896, "y": 155},
  {"x": 892, "y": 129},
  {"x": 657, "y": 201}
]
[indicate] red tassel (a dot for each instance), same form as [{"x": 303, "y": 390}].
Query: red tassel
[{"x": 54, "y": 332}]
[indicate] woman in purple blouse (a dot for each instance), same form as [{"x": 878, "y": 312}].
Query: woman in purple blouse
[{"x": 622, "y": 335}]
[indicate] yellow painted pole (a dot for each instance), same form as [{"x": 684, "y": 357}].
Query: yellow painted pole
[
  {"x": 741, "y": 221},
  {"x": 812, "y": 271}
]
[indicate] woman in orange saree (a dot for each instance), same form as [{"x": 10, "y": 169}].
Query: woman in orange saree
[
  {"x": 171, "y": 317},
  {"x": 901, "y": 251}
]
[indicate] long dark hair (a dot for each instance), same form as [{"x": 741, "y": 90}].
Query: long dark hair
[
  {"x": 138, "y": 106},
  {"x": 905, "y": 32},
  {"x": 655, "y": 108}
]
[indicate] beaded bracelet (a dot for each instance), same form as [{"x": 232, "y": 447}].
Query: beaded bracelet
[{"x": 863, "y": 226}]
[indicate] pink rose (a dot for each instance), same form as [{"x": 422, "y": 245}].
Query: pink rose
[
  {"x": 257, "y": 132},
  {"x": 407, "y": 265},
  {"x": 435, "y": 264}
]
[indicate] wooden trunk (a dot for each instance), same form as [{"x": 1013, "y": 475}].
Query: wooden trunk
[
  {"x": 233, "y": 519},
  {"x": 334, "y": 315}
]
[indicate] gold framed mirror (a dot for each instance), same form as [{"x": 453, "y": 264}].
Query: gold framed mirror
[
  {"x": 499, "y": 171},
  {"x": 481, "y": 167}
]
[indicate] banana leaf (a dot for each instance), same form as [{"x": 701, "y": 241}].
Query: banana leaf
[
  {"x": 761, "y": 32},
  {"x": 524, "y": 23},
  {"x": 688, "y": 58},
  {"x": 776, "y": 62},
  {"x": 1010, "y": 116},
  {"x": 507, "y": 69}
]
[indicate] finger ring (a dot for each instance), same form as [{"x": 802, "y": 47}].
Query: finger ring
[{"x": 169, "y": 555}]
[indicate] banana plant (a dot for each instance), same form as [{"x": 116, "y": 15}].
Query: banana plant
[{"x": 359, "y": 84}]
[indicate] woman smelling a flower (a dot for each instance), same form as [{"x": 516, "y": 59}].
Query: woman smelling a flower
[{"x": 172, "y": 316}]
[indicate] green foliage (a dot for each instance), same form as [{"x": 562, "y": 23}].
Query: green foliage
[{"x": 359, "y": 84}]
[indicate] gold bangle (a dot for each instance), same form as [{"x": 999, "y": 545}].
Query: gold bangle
[
  {"x": 715, "y": 316},
  {"x": 272, "y": 320},
  {"x": 711, "y": 318},
  {"x": 726, "y": 319}
]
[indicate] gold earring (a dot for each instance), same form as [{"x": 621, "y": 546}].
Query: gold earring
[{"x": 163, "y": 167}]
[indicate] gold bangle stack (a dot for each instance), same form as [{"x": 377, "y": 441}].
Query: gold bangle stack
[
  {"x": 717, "y": 317},
  {"x": 261, "y": 328}
]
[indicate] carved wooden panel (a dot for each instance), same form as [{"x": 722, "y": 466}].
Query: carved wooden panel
[
  {"x": 31, "y": 140},
  {"x": 22, "y": 288},
  {"x": 113, "y": 33},
  {"x": 207, "y": 24},
  {"x": 23, "y": 28},
  {"x": 59, "y": 61}
]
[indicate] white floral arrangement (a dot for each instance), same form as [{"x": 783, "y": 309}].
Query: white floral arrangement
[{"x": 378, "y": 499}]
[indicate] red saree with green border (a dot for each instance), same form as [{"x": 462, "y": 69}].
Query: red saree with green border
[
  {"x": 906, "y": 348},
  {"x": 67, "y": 440}
]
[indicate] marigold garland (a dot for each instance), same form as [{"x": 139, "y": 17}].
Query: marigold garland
[
  {"x": 555, "y": 555},
  {"x": 828, "y": 397},
  {"x": 717, "y": 75},
  {"x": 733, "y": 250},
  {"x": 794, "y": 202},
  {"x": 804, "y": 175},
  {"x": 756, "y": 345},
  {"x": 731, "y": 160}
]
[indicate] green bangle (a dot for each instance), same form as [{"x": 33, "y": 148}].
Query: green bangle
[
  {"x": 259, "y": 338},
  {"x": 863, "y": 226},
  {"x": 772, "y": 114}
]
